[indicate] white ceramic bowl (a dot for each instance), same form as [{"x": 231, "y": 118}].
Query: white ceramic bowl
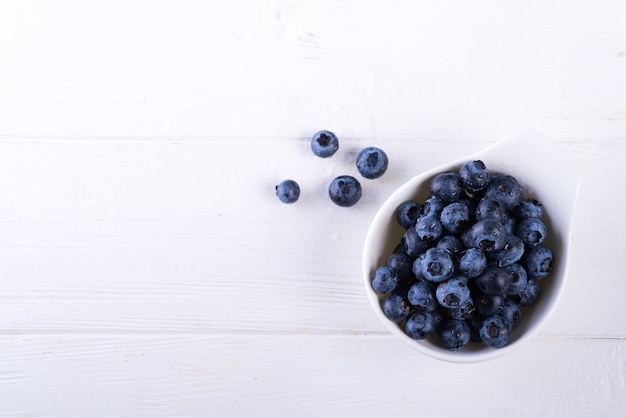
[{"x": 547, "y": 174}]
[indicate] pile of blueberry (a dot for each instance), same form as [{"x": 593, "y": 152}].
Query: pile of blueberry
[
  {"x": 345, "y": 190},
  {"x": 470, "y": 258}
]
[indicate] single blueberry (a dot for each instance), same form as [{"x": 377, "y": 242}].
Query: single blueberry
[
  {"x": 396, "y": 307},
  {"x": 493, "y": 281},
  {"x": 324, "y": 144},
  {"x": 407, "y": 213},
  {"x": 488, "y": 305},
  {"x": 532, "y": 231},
  {"x": 437, "y": 265},
  {"x": 528, "y": 209},
  {"x": 465, "y": 311},
  {"x": 474, "y": 175},
  {"x": 510, "y": 253},
  {"x": 417, "y": 267},
  {"x": 455, "y": 217},
  {"x": 288, "y": 191},
  {"x": 486, "y": 234},
  {"x": 345, "y": 191},
  {"x": 384, "y": 280},
  {"x": 495, "y": 331},
  {"x": 432, "y": 206},
  {"x": 402, "y": 264},
  {"x": 372, "y": 162},
  {"x": 518, "y": 276},
  {"x": 506, "y": 189},
  {"x": 512, "y": 313},
  {"x": 454, "y": 334},
  {"x": 510, "y": 225},
  {"x": 428, "y": 228},
  {"x": 414, "y": 245},
  {"x": 538, "y": 261},
  {"x": 490, "y": 208},
  {"x": 422, "y": 297},
  {"x": 446, "y": 186},
  {"x": 529, "y": 295},
  {"x": 472, "y": 262},
  {"x": 453, "y": 293},
  {"x": 422, "y": 324},
  {"x": 451, "y": 244}
]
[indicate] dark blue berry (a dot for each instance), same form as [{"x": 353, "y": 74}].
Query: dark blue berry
[
  {"x": 528, "y": 209},
  {"x": 538, "y": 262},
  {"x": 345, "y": 191},
  {"x": 489, "y": 208},
  {"x": 324, "y": 144},
  {"x": 432, "y": 206},
  {"x": 532, "y": 231},
  {"x": 396, "y": 307},
  {"x": 452, "y": 293},
  {"x": 531, "y": 292},
  {"x": 455, "y": 217},
  {"x": 488, "y": 305},
  {"x": 446, "y": 186},
  {"x": 437, "y": 265},
  {"x": 474, "y": 175},
  {"x": 495, "y": 331},
  {"x": 288, "y": 191},
  {"x": 422, "y": 297},
  {"x": 493, "y": 281},
  {"x": 451, "y": 244},
  {"x": 454, "y": 334},
  {"x": 510, "y": 253},
  {"x": 384, "y": 280},
  {"x": 422, "y": 324},
  {"x": 512, "y": 313},
  {"x": 372, "y": 162},
  {"x": 402, "y": 264},
  {"x": 407, "y": 213},
  {"x": 465, "y": 311},
  {"x": 428, "y": 228},
  {"x": 486, "y": 234},
  {"x": 414, "y": 245},
  {"x": 506, "y": 189},
  {"x": 472, "y": 262},
  {"x": 518, "y": 276},
  {"x": 417, "y": 267}
]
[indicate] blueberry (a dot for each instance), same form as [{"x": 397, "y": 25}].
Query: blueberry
[
  {"x": 510, "y": 225},
  {"x": 493, "y": 281},
  {"x": 384, "y": 280},
  {"x": 512, "y": 313},
  {"x": 454, "y": 334},
  {"x": 465, "y": 311},
  {"x": 495, "y": 331},
  {"x": 510, "y": 253},
  {"x": 446, "y": 186},
  {"x": 455, "y": 217},
  {"x": 324, "y": 144},
  {"x": 451, "y": 244},
  {"x": 486, "y": 234},
  {"x": 518, "y": 276},
  {"x": 452, "y": 293},
  {"x": 437, "y": 265},
  {"x": 417, "y": 267},
  {"x": 288, "y": 191},
  {"x": 413, "y": 244},
  {"x": 489, "y": 208},
  {"x": 407, "y": 213},
  {"x": 428, "y": 228},
  {"x": 528, "y": 209},
  {"x": 422, "y": 324},
  {"x": 529, "y": 295},
  {"x": 488, "y": 305},
  {"x": 372, "y": 162},
  {"x": 345, "y": 191},
  {"x": 432, "y": 206},
  {"x": 396, "y": 307},
  {"x": 474, "y": 175},
  {"x": 402, "y": 263},
  {"x": 538, "y": 262},
  {"x": 532, "y": 231},
  {"x": 506, "y": 189},
  {"x": 422, "y": 297},
  {"x": 472, "y": 262}
]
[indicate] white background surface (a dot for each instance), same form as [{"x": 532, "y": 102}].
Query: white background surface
[{"x": 148, "y": 270}]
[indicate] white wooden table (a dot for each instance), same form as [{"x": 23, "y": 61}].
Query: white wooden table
[{"x": 148, "y": 270}]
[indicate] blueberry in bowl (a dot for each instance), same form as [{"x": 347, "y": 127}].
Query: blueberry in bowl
[{"x": 509, "y": 211}]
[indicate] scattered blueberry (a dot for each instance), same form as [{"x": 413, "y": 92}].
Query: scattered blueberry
[
  {"x": 472, "y": 262},
  {"x": 324, "y": 144},
  {"x": 528, "y": 209},
  {"x": 454, "y": 334},
  {"x": 474, "y": 175},
  {"x": 453, "y": 293},
  {"x": 505, "y": 188},
  {"x": 288, "y": 191},
  {"x": 486, "y": 234},
  {"x": 372, "y": 162},
  {"x": 538, "y": 262},
  {"x": 531, "y": 292},
  {"x": 437, "y": 265},
  {"x": 455, "y": 217},
  {"x": 495, "y": 331},
  {"x": 447, "y": 186},
  {"x": 428, "y": 228},
  {"x": 407, "y": 213},
  {"x": 518, "y": 276},
  {"x": 345, "y": 191},
  {"x": 532, "y": 231},
  {"x": 414, "y": 245},
  {"x": 385, "y": 280},
  {"x": 422, "y": 297},
  {"x": 432, "y": 206}
]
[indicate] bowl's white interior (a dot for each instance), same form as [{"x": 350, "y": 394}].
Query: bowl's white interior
[{"x": 547, "y": 174}]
